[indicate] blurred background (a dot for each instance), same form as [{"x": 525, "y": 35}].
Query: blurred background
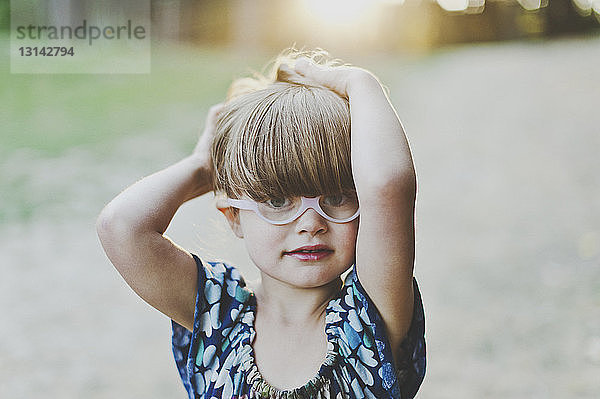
[{"x": 501, "y": 103}]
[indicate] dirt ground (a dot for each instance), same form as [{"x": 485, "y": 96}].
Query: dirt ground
[{"x": 506, "y": 140}]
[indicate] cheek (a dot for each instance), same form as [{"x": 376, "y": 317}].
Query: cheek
[
  {"x": 255, "y": 228},
  {"x": 260, "y": 237},
  {"x": 352, "y": 232},
  {"x": 347, "y": 239}
]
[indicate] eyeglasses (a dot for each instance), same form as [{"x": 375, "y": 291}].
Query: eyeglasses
[{"x": 338, "y": 208}]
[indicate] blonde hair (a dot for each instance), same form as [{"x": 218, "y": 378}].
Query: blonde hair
[{"x": 281, "y": 135}]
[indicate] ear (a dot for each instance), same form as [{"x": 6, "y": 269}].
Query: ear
[{"x": 232, "y": 215}]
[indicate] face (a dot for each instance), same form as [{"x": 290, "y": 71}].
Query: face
[{"x": 307, "y": 252}]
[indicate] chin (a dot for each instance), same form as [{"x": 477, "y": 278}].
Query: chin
[{"x": 314, "y": 278}]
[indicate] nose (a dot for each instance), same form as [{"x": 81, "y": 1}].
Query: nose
[{"x": 311, "y": 222}]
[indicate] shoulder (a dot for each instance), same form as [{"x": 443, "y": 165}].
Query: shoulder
[
  {"x": 365, "y": 344},
  {"x": 221, "y": 328},
  {"x": 219, "y": 281}
]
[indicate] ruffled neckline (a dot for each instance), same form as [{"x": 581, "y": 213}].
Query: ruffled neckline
[{"x": 316, "y": 388}]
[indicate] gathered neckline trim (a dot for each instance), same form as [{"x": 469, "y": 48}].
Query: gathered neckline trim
[
  {"x": 314, "y": 388},
  {"x": 260, "y": 388}
]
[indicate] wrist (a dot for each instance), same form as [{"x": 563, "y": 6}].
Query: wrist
[
  {"x": 199, "y": 160},
  {"x": 200, "y": 167},
  {"x": 361, "y": 79}
]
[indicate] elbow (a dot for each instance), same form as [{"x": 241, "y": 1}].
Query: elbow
[
  {"x": 102, "y": 224},
  {"x": 110, "y": 228},
  {"x": 117, "y": 239},
  {"x": 105, "y": 229}
]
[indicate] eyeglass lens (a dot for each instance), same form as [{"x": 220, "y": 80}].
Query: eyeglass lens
[{"x": 335, "y": 206}]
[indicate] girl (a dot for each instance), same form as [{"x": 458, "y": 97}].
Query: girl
[{"x": 313, "y": 171}]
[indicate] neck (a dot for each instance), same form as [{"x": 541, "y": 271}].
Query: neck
[{"x": 294, "y": 305}]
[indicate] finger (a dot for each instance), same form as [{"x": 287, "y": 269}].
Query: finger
[
  {"x": 321, "y": 75},
  {"x": 213, "y": 113},
  {"x": 285, "y": 68},
  {"x": 216, "y": 109},
  {"x": 304, "y": 66},
  {"x": 286, "y": 74}
]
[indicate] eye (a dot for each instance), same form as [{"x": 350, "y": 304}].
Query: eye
[
  {"x": 335, "y": 200},
  {"x": 278, "y": 203}
]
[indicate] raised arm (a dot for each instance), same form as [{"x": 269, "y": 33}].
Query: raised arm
[
  {"x": 131, "y": 229},
  {"x": 386, "y": 186}
]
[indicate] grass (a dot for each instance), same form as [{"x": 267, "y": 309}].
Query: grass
[
  {"x": 45, "y": 117},
  {"x": 51, "y": 113}
]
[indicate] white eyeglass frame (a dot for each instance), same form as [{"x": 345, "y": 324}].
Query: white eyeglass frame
[{"x": 307, "y": 202}]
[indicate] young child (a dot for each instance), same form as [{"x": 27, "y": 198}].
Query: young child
[{"x": 312, "y": 170}]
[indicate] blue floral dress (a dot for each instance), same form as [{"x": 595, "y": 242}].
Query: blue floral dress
[{"x": 216, "y": 359}]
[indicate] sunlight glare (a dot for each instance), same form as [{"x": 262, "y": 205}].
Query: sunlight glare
[
  {"x": 345, "y": 12},
  {"x": 530, "y": 5},
  {"x": 583, "y": 6},
  {"x": 391, "y": 2},
  {"x": 454, "y": 5}
]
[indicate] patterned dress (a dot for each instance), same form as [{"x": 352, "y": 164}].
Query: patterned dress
[{"x": 216, "y": 360}]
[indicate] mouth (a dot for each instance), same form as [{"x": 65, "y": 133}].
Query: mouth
[{"x": 310, "y": 252}]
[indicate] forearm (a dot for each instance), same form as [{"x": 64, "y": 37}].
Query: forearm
[
  {"x": 380, "y": 151},
  {"x": 150, "y": 204}
]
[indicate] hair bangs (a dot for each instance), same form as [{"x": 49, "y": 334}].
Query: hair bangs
[{"x": 295, "y": 140}]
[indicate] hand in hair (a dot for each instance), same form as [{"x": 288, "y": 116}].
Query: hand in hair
[
  {"x": 205, "y": 141},
  {"x": 336, "y": 78}
]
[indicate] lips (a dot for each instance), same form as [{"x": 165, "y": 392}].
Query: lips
[{"x": 310, "y": 252}]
